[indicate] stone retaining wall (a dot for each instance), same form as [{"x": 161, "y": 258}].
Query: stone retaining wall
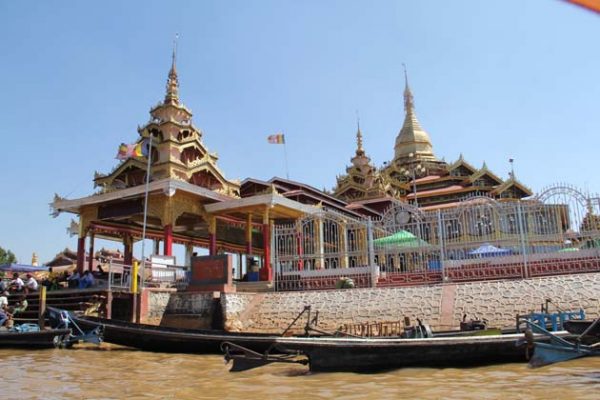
[
  {"x": 441, "y": 306},
  {"x": 167, "y": 307}
]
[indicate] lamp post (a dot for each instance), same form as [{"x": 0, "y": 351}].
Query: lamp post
[{"x": 412, "y": 172}]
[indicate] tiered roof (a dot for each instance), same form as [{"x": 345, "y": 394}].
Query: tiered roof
[{"x": 177, "y": 150}]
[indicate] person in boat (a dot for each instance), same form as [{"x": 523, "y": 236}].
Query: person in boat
[
  {"x": 17, "y": 283},
  {"x": 21, "y": 305},
  {"x": 87, "y": 280},
  {"x": 31, "y": 284},
  {"x": 3, "y": 300},
  {"x": 5, "y": 317}
]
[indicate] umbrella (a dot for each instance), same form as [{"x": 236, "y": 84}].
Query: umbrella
[
  {"x": 401, "y": 239},
  {"x": 22, "y": 268},
  {"x": 487, "y": 250}
]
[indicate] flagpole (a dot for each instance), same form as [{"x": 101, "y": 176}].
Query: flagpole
[
  {"x": 287, "y": 172},
  {"x": 145, "y": 212}
]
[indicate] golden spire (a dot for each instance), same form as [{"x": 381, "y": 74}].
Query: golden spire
[
  {"x": 172, "y": 96},
  {"x": 412, "y": 143},
  {"x": 359, "y": 143},
  {"x": 409, "y": 104}
]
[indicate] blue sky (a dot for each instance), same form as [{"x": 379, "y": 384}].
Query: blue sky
[{"x": 492, "y": 80}]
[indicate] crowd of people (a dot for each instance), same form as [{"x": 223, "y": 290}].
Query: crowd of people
[
  {"x": 70, "y": 280},
  {"x": 15, "y": 286}
]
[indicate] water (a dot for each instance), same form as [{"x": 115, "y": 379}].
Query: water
[{"x": 113, "y": 372}]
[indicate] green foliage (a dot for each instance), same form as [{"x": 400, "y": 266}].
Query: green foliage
[{"x": 7, "y": 257}]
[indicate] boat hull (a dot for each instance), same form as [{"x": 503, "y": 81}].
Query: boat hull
[
  {"x": 31, "y": 340},
  {"x": 171, "y": 340},
  {"x": 360, "y": 355},
  {"x": 577, "y": 327}
]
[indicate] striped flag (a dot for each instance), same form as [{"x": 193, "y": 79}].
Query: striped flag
[
  {"x": 276, "y": 139},
  {"x": 593, "y": 5},
  {"x": 133, "y": 150}
]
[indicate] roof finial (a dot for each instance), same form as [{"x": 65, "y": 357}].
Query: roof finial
[
  {"x": 409, "y": 104},
  {"x": 172, "y": 96},
  {"x": 359, "y": 143}
]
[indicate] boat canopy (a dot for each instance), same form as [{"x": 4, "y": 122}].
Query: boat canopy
[{"x": 22, "y": 268}]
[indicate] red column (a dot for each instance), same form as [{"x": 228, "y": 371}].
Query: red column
[
  {"x": 249, "y": 234},
  {"x": 80, "y": 254},
  {"x": 266, "y": 274},
  {"x": 168, "y": 240},
  {"x": 212, "y": 244},
  {"x": 91, "y": 253}
]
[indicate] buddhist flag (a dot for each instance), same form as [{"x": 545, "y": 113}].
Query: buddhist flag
[
  {"x": 593, "y": 5},
  {"x": 278, "y": 138},
  {"x": 133, "y": 150}
]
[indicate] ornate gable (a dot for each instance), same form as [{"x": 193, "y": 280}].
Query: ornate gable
[
  {"x": 484, "y": 177},
  {"x": 461, "y": 168}
]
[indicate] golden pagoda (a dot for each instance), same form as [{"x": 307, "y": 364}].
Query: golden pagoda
[{"x": 417, "y": 176}]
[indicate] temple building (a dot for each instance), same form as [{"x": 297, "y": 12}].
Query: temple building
[
  {"x": 190, "y": 201},
  {"x": 417, "y": 176}
]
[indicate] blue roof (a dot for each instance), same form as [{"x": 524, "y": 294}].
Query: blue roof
[{"x": 22, "y": 268}]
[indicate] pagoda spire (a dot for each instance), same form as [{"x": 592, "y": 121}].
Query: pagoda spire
[
  {"x": 359, "y": 142},
  {"x": 412, "y": 143},
  {"x": 172, "y": 96},
  {"x": 409, "y": 103}
]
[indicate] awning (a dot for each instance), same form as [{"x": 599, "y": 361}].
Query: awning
[
  {"x": 22, "y": 268},
  {"x": 487, "y": 250},
  {"x": 401, "y": 239}
]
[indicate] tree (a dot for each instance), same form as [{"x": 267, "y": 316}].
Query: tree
[{"x": 7, "y": 257}]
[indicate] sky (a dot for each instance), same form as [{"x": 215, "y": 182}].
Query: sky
[{"x": 492, "y": 80}]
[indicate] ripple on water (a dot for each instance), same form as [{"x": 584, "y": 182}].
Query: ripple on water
[{"x": 112, "y": 372}]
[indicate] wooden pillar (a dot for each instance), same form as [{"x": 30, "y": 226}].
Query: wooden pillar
[
  {"x": 168, "y": 233},
  {"x": 156, "y": 246},
  {"x": 80, "y": 254},
  {"x": 91, "y": 253},
  {"x": 212, "y": 236},
  {"x": 128, "y": 250},
  {"x": 42, "y": 307}
]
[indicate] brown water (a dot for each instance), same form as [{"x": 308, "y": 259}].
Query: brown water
[{"x": 112, "y": 372}]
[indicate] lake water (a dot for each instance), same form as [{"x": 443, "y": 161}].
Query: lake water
[{"x": 113, "y": 372}]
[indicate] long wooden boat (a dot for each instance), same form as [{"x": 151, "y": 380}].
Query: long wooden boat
[
  {"x": 172, "y": 340},
  {"x": 577, "y": 327},
  {"x": 45, "y": 338},
  {"x": 329, "y": 354}
]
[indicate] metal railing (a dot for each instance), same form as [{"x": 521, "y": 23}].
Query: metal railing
[
  {"x": 120, "y": 276},
  {"x": 481, "y": 238}
]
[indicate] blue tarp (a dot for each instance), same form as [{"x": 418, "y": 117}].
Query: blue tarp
[
  {"x": 22, "y": 268},
  {"x": 487, "y": 250}
]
